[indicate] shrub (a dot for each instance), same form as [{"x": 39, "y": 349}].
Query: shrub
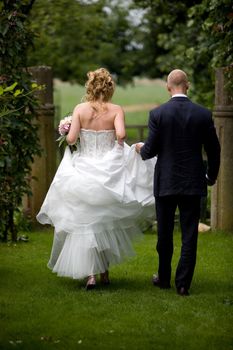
[{"x": 19, "y": 142}]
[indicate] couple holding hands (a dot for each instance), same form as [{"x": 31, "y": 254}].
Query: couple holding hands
[{"x": 103, "y": 190}]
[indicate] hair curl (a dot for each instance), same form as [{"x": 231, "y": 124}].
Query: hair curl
[{"x": 99, "y": 86}]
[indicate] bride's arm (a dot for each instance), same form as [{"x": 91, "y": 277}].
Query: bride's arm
[
  {"x": 119, "y": 124},
  {"x": 72, "y": 136}
]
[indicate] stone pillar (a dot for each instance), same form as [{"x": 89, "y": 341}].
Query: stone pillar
[
  {"x": 43, "y": 168},
  {"x": 222, "y": 192}
]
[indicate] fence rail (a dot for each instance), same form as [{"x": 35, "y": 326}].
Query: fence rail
[{"x": 140, "y": 129}]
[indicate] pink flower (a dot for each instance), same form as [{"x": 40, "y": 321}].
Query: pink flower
[{"x": 64, "y": 125}]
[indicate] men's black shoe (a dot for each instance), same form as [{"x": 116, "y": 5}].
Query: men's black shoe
[
  {"x": 158, "y": 283},
  {"x": 183, "y": 292}
]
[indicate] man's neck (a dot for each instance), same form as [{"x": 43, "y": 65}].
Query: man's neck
[{"x": 179, "y": 95}]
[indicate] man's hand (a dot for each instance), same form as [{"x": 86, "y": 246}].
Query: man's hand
[
  {"x": 210, "y": 182},
  {"x": 138, "y": 147}
]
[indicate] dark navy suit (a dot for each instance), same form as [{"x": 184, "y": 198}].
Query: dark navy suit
[{"x": 178, "y": 132}]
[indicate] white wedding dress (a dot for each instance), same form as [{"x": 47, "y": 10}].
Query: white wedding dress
[{"x": 96, "y": 199}]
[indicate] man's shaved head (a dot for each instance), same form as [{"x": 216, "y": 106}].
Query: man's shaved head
[{"x": 177, "y": 79}]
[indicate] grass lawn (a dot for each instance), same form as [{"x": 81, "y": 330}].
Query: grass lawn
[{"x": 42, "y": 311}]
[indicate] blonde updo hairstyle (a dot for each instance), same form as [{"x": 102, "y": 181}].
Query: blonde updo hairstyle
[{"x": 99, "y": 86}]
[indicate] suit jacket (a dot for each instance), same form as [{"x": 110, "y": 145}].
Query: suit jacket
[{"x": 178, "y": 131}]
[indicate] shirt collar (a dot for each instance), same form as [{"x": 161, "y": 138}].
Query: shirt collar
[{"x": 179, "y": 95}]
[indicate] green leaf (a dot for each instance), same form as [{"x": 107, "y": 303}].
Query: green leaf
[
  {"x": 61, "y": 139},
  {"x": 18, "y": 92},
  {"x": 5, "y": 30},
  {"x": 6, "y": 112},
  {"x": 1, "y": 90},
  {"x": 19, "y": 24},
  {"x": 34, "y": 85},
  {"x": 11, "y": 87}
]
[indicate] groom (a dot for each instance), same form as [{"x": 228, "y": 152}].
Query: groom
[{"x": 178, "y": 130}]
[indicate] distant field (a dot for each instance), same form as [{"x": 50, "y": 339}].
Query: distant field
[{"x": 143, "y": 92}]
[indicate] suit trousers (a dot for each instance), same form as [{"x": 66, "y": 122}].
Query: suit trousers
[{"x": 189, "y": 210}]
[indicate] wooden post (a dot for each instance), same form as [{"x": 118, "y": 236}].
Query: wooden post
[
  {"x": 222, "y": 192},
  {"x": 44, "y": 167}
]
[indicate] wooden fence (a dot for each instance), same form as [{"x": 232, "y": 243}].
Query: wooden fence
[{"x": 140, "y": 132}]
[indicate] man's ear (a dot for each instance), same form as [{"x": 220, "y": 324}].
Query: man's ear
[{"x": 169, "y": 88}]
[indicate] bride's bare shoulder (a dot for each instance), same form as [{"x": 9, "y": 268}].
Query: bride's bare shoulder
[
  {"x": 116, "y": 108},
  {"x": 82, "y": 107}
]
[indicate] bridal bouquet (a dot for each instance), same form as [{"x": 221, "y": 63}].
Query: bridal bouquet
[{"x": 63, "y": 128}]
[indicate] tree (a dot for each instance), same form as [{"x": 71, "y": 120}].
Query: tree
[
  {"x": 77, "y": 36},
  {"x": 18, "y": 131},
  {"x": 193, "y": 35}
]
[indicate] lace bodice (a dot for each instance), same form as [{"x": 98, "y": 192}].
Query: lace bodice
[{"x": 95, "y": 144}]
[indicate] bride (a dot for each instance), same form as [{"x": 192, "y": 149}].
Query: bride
[{"x": 100, "y": 192}]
